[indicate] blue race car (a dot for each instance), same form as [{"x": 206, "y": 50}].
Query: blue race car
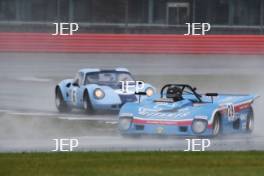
[
  {"x": 96, "y": 89},
  {"x": 180, "y": 110}
]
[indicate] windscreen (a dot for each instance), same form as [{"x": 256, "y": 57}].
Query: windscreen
[{"x": 107, "y": 77}]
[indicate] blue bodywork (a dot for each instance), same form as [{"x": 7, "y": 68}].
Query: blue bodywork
[
  {"x": 156, "y": 115},
  {"x": 73, "y": 91}
]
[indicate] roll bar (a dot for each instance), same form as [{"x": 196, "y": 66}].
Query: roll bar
[{"x": 182, "y": 86}]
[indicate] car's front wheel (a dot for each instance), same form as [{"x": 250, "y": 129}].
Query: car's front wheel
[
  {"x": 87, "y": 105},
  {"x": 60, "y": 102},
  {"x": 216, "y": 125}
]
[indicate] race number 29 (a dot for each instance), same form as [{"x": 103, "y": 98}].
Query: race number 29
[{"x": 231, "y": 112}]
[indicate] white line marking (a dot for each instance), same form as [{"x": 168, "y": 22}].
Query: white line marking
[
  {"x": 89, "y": 118},
  {"x": 34, "y": 79},
  {"x": 112, "y": 123},
  {"x": 30, "y": 114},
  {"x": 59, "y": 116}
]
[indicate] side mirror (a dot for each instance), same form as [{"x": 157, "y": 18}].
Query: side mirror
[
  {"x": 212, "y": 95},
  {"x": 140, "y": 94}
]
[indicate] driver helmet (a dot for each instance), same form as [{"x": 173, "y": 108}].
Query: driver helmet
[{"x": 175, "y": 93}]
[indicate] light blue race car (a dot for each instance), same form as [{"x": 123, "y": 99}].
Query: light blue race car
[
  {"x": 180, "y": 110},
  {"x": 98, "y": 89}
]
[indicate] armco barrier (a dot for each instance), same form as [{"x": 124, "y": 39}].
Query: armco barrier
[{"x": 132, "y": 43}]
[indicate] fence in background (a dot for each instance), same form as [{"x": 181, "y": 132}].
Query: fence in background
[{"x": 132, "y": 43}]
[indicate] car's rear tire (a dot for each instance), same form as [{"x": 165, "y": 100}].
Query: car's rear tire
[
  {"x": 250, "y": 121},
  {"x": 216, "y": 128},
  {"x": 87, "y": 105},
  {"x": 60, "y": 102}
]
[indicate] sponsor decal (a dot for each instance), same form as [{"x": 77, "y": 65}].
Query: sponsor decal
[
  {"x": 157, "y": 114},
  {"x": 186, "y": 122},
  {"x": 242, "y": 106},
  {"x": 201, "y": 117}
]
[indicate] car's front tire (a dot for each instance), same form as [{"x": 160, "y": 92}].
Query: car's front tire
[
  {"x": 60, "y": 102},
  {"x": 216, "y": 128},
  {"x": 250, "y": 121},
  {"x": 87, "y": 105}
]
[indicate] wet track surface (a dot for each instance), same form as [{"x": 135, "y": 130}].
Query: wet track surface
[{"x": 29, "y": 120}]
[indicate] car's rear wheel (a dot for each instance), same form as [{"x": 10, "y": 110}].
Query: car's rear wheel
[
  {"x": 60, "y": 102},
  {"x": 87, "y": 105},
  {"x": 250, "y": 121},
  {"x": 216, "y": 125}
]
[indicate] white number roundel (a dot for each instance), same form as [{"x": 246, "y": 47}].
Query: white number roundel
[{"x": 231, "y": 112}]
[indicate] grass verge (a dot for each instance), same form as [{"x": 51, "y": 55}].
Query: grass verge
[{"x": 133, "y": 164}]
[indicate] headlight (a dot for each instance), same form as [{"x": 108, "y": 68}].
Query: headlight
[
  {"x": 199, "y": 125},
  {"x": 124, "y": 123},
  {"x": 149, "y": 91},
  {"x": 99, "y": 93}
]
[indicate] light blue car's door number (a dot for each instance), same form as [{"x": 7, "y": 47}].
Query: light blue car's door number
[
  {"x": 230, "y": 112},
  {"x": 74, "y": 95}
]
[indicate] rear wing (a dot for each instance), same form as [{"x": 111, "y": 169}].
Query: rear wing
[
  {"x": 239, "y": 98},
  {"x": 252, "y": 96}
]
